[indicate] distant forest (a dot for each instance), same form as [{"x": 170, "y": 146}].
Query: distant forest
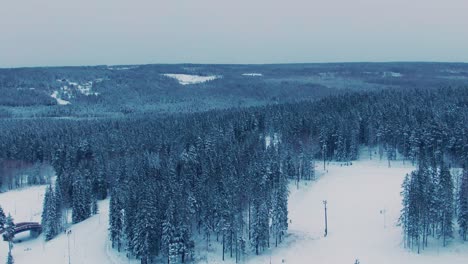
[
  {"x": 117, "y": 91},
  {"x": 179, "y": 182}
]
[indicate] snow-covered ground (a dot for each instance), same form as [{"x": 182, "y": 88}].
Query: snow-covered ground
[
  {"x": 357, "y": 196},
  {"x": 24, "y": 205},
  {"x": 392, "y": 74},
  {"x": 69, "y": 89},
  {"x": 88, "y": 240},
  {"x": 363, "y": 202},
  {"x": 186, "y": 79},
  {"x": 275, "y": 139},
  {"x": 59, "y": 100},
  {"x": 252, "y": 74}
]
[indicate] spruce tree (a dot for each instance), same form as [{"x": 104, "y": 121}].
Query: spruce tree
[
  {"x": 2, "y": 218},
  {"x": 60, "y": 218},
  {"x": 116, "y": 220},
  {"x": 49, "y": 216},
  {"x": 81, "y": 203},
  {"x": 94, "y": 205},
  {"x": 10, "y": 259},
  {"x": 404, "y": 216},
  {"x": 447, "y": 209},
  {"x": 463, "y": 205},
  {"x": 8, "y": 235}
]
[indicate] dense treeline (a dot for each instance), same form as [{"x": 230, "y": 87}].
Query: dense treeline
[
  {"x": 221, "y": 175},
  {"x": 16, "y": 174},
  {"x": 434, "y": 199},
  {"x": 429, "y": 207}
]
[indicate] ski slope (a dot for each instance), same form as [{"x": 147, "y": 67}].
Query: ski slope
[
  {"x": 364, "y": 203},
  {"x": 357, "y": 196},
  {"x": 88, "y": 240}
]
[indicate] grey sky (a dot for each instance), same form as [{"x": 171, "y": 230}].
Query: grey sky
[{"x": 90, "y": 32}]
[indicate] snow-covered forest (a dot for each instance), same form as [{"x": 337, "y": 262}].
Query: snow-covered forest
[{"x": 181, "y": 184}]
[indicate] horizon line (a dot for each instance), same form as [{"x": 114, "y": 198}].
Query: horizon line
[{"x": 228, "y": 64}]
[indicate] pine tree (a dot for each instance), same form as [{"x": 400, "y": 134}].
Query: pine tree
[
  {"x": 10, "y": 259},
  {"x": 8, "y": 235},
  {"x": 145, "y": 228},
  {"x": 447, "y": 209},
  {"x": 414, "y": 147},
  {"x": 169, "y": 233},
  {"x": 81, "y": 200},
  {"x": 463, "y": 205},
  {"x": 2, "y": 218},
  {"x": 415, "y": 215},
  {"x": 60, "y": 218},
  {"x": 94, "y": 205},
  {"x": 9, "y": 223},
  {"x": 404, "y": 216},
  {"x": 49, "y": 216},
  {"x": 116, "y": 219}
]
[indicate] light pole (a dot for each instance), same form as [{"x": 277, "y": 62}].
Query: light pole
[
  {"x": 324, "y": 147},
  {"x": 383, "y": 211},
  {"x": 326, "y": 222},
  {"x": 68, "y": 238}
]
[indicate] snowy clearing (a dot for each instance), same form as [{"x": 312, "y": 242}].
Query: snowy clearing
[
  {"x": 392, "y": 74},
  {"x": 252, "y": 74},
  {"x": 89, "y": 241},
  {"x": 83, "y": 88},
  {"x": 363, "y": 202},
  {"x": 58, "y": 99},
  {"x": 186, "y": 79},
  {"x": 24, "y": 204},
  {"x": 275, "y": 139}
]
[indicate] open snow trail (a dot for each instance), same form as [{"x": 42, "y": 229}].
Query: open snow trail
[
  {"x": 88, "y": 240},
  {"x": 357, "y": 196}
]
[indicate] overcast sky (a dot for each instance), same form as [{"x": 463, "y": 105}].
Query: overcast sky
[{"x": 94, "y": 32}]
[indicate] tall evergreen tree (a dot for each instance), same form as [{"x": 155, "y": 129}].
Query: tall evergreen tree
[
  {"x": 2, "y": 218},
  {"x": 49, "y": 217},
  {"x": 463, "y": 205},
  {"x": 447, "y": 209},
  {"x": 81, "y": 203},
  {"x": 10, "y": 259},
  {"x": 8, "y": 234}
]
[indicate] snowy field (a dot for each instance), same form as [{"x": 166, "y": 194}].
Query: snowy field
[
  {"x": 252, "y": 74},
  {"x": 60, "y": 101},
  {"x": 186, "y": 79},
  {"x": 88, "y": 239},
  {"x": 357, "y": 196}
]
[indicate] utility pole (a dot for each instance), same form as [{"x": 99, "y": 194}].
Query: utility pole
[{"x": 326, "y": 220}]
